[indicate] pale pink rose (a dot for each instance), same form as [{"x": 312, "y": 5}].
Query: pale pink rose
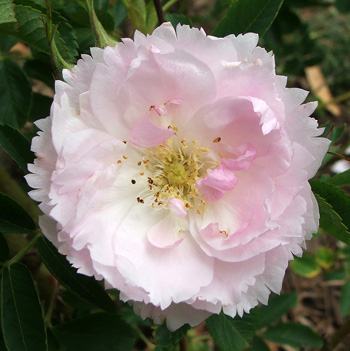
[{"x": 175, "y": 167}]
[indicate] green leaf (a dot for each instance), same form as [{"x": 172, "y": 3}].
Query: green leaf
[
  {"x": 277, "y": 307},
  {"x": 325, "y": 257},
  {"x": 305, "y": 266},
  {"x": 13, "y": 219},
  {"x": 7, "y": 42},
  {"x": 30, "y": 15},
  {"x": 86, "y": 287},
  {"x": 175, "y": 19},
  {"x": 38, "y": 69},
  {"x": 15, "y": 94},
  {"x": 164, "y": 338},
  {"x": 248, "y": 16},
  {"x": 336, "y": 197},
  {"x": 331, "y": 222},
  {"x": 228, "y": 333},
  {"x": 4, "y": 250},
  {"x": 7, "y": 16},
  {"x": 21, "y": 313},
  {"x": 119, "y": 13},
  {"x": 258, "y": 344},
  {"x": 17, "y": 146},
  {"x": 293, "y": 334},
  {"x": 96, "y": 332},
  {"x": 340, "y": 179},
  {"x": 40, "y": 107},
  {"x": 345, "y": 299},
  {"x": 342, "y": 5}
]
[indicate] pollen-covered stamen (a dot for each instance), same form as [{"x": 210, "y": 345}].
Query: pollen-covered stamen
[{"x": 174, "y": 169}]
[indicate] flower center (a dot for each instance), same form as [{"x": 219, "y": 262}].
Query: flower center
[{"x": 174, "y": 169}]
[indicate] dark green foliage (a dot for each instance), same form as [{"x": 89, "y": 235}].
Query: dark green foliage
[
  {"x": 245, "y": 16},
  {"x": 17, "y": 146},
  {"x": 293, "y": 334},
  {"x": 164, "y": 338},
  {"x": 13, "y": 219},
  {"x": 4, "y": 250},
  {"x": 86, "y": 287},
  {"x": 21, "y": 313},
  {"x": 15, "y": 94},
  {"x": 96, "y": 332}
]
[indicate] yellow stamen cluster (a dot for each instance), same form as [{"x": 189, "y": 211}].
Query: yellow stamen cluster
[{"x": 175, "y": 168}]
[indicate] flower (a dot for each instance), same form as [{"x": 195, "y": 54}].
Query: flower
[{"x": 175, "y": 167}]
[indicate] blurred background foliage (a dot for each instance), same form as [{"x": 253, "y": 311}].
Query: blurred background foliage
[{"x": 311, "y": 43}]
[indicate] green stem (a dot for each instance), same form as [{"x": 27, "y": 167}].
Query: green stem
[
  {"x": 143, "y": 337},
  {"x": 24, "y": 250},
  {"x": 169, "y": 4},
  {"x": 51, "y": 306},
  {"x": 102, "y": 38}
]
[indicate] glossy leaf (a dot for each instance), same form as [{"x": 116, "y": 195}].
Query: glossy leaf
[
  {"x": 163, "y": 337},
  {"x": 21, "y": 313},
  {"x": 4, "y": 250},
  {"x": 248, "y": 16},
  {"x": 15, "y": 94},
  {"x": 305, "y": 266},
  {"x": 7, "y": 42},
  {"x": 40, "y": 107},
  {"x": 342, "y": 5},
  {"x": 258, "y": 344},
  {"x": 293, "y": 334},
  {"x": 17, "y": 146},
  {"x": 228, "y": 333},
  {"x": 96, "y": 332},
  {"x": 176, "y": 19},
  {"x": 7, "y": 16},
  {"x": 336, "y": 197},
  {"x": 13, "y": 218},
  {"x": 325, "y": 257},
  {"x": 340, "y": 179},
  {"x": 278, "y": 306},
  {"x": 345, "y": 299},
  {"x": 119, "y": 13},
  {"x": 331, "y": 222},
  {"x": 30, "y": 16},
  {"x": 86, "y": 287}
]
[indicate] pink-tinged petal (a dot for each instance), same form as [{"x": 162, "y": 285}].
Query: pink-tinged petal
[
  {"x": 177, "y": 207},
  {"x": 168, "y": 232},
  {"x": 245, "y": 155},
  {"x": 146, "y": 134},
  {"x": 217, "y": 183}
]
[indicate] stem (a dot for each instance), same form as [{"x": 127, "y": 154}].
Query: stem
[
  {"x": 51, "y": 306},
  {"x": 183, "y": 344},
  {"x": 143, "y": 337},
  {"x": 338, "y": 155},
  {"x": 159, "y": 9},
  {"x": 24, "y": 250},
  {"x": 169, "y": 4}
]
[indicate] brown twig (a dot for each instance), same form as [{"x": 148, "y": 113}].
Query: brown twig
[
  {"x": 183, "y": 344},
  {"x": 159, "y": 10},
  {"x": 338, "y": 155}
]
